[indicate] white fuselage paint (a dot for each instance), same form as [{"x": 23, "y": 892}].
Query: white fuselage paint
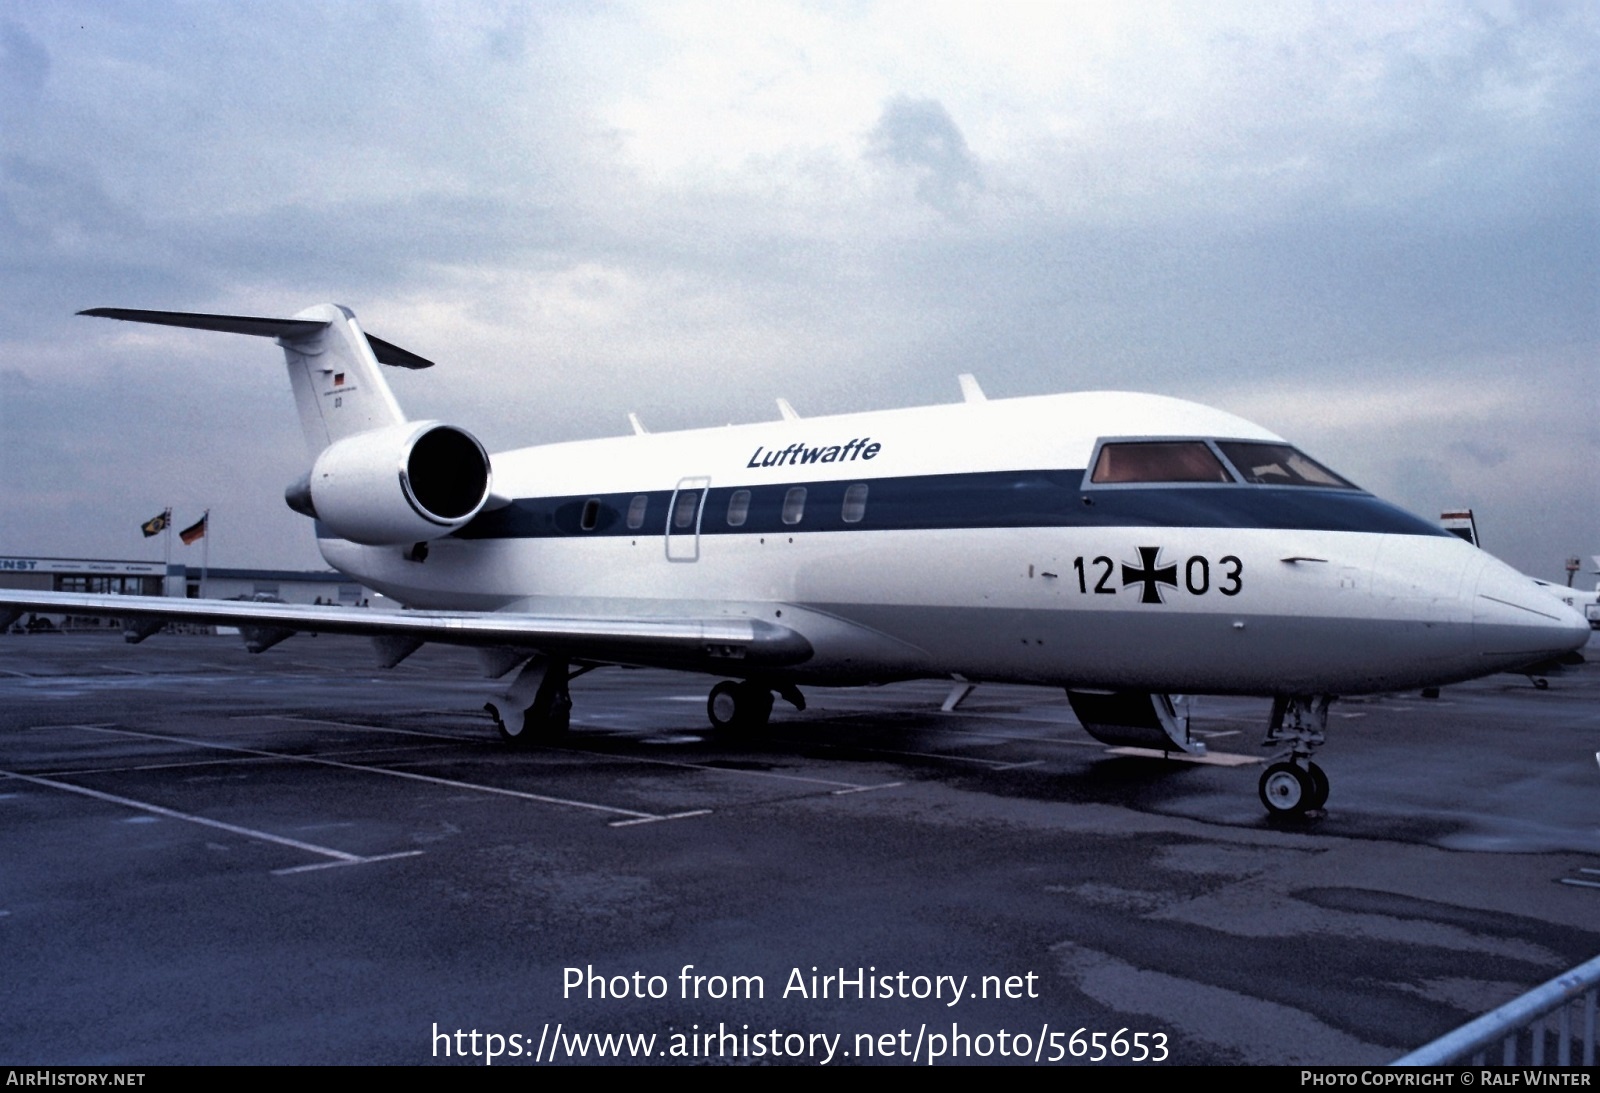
[{"x": 1311, "y": 611}]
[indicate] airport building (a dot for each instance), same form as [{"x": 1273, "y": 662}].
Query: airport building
[{"x": 130, "y": 578}]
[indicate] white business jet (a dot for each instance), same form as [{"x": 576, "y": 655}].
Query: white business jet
[{"x": 1131, "y": 549}]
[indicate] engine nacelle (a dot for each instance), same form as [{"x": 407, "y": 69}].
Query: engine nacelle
[{"x": 405, "y": 483}]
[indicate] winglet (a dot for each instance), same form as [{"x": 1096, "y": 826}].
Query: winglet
[
  {"x": 970, "y": 391},
  {"x": 789, "y": 413},
  {"x": 638, "y": 426}
]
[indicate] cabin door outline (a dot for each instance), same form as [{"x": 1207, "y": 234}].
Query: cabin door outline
[{"x": 684, "y": 513}]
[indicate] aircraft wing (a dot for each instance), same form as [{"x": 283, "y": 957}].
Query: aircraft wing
[{"x": 666, "y": 642}]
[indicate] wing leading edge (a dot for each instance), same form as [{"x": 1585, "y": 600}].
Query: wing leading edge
[{"x": 660, "y": 642}]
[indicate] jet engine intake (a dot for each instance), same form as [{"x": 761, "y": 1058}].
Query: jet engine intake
[{"x": 405, "y": 483}]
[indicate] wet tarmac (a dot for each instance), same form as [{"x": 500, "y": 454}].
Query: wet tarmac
[{"x": 209, "y": 857}]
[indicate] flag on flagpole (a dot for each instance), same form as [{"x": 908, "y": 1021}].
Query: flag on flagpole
[
  {"x": 195, "y": 531},
  {"x": 156, "y": 524}
]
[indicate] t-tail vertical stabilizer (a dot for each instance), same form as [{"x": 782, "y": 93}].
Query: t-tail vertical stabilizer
[
  {"x": 338, "y": 388},
  {"x": 376, "y": 478},
  {"x": 333, "y": 365}
]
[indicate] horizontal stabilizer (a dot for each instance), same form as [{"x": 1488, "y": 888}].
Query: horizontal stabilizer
[
  {"x": 256, "y": 326},
  {"x": 227, "y": 324}
]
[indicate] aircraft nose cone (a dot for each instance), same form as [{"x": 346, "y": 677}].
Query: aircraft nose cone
[{"x": 1516, "y": 623}]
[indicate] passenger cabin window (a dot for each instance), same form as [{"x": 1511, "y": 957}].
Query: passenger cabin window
[
  {"x": 636, "y": 507},
  {"x": 1279, "y": 465},
  {"x": 1158, "y": 461},
  {"x": 855, "y": 503},
  {"x": 688, "y": 506},
  {"x": 738, "y": 508},
  {"x": 591, "y": 514},
  {"x": 794, "y": 505}
]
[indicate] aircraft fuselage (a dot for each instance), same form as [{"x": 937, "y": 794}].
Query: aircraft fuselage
[{"x": 973, "y": 540}]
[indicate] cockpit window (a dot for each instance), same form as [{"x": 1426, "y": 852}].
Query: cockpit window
[
  {"x": 1279, "y": 465},
  {"x": 1158, "y": 461}
]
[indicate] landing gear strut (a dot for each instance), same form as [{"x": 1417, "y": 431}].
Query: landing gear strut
[
  {"x": 1294, "y": 785},
  {"x": 537, "y": 707}
]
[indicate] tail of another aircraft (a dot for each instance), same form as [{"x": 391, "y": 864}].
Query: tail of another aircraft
[{"x": 333, "y": 365}]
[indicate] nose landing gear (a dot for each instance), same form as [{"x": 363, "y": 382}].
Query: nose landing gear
[
  {"x": 1294, "y": 785},
  {"x": 1291, "y": 790}
]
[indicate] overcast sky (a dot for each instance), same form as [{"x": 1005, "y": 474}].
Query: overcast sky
[{"x": 1373, "y": 228}]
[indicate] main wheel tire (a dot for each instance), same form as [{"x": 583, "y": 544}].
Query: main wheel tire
[
  {"x": 738, "y": 709},
  {"x": 1319, "y": 787},
  {"x": 722, "y": 707},
  {"x": 1287, "y": 790}
]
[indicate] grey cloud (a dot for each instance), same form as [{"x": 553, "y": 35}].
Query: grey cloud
[
  {"x": 1484, "y": 453},
  {"x": 918, "y": 136},
  {"x": 24, "y": 64}
]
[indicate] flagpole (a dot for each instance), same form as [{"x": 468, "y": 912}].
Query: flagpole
[{"x": 205, "y": 553}]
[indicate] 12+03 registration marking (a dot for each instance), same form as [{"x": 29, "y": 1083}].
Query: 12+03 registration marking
[{"x": 1197, "y": 577}]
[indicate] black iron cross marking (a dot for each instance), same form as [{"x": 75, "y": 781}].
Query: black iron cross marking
[{"x": 1151, "y": 577}]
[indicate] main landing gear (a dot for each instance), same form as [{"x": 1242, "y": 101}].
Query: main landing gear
[
  {"x": 538, "y": 706},
  {"x": 1294, "y": 785},
  {"x": 741, "y": 709}
]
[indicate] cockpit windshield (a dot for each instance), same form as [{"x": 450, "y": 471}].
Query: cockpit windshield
[
  {"x": 1279, "y": 465},
  {"x": 1260, "y": 463},
  {"x": 1158, "y": 461}
]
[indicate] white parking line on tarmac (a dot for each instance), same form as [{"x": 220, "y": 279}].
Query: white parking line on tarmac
[
  {"x": 409, "y": 775},
  {"x": 989, "y": 764},
  {"x": 866, "y": 789},
  {"x": 141, "y": 768},
  {"x": 336, "y": 864},
  {"x": 347, "y": 725},
  {"x": 339, "y": 857},
  {"x": 1000, "y": 738},
  {"x": 849, "y": 787},
  {"x": 659, "y": 819}
]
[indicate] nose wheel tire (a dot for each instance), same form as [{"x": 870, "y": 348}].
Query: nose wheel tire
[{"x": 1289, "y": 790}]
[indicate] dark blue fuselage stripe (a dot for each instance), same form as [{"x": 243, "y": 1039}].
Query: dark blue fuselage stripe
[{"x": 989, "y": 499}]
